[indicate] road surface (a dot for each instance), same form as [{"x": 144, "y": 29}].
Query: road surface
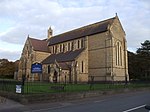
[{"x": 129, "y": 102}]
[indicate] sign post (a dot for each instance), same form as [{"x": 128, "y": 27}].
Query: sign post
[
  {"x": 36, "y": 68},
  {"x": 18, "y": 88}
]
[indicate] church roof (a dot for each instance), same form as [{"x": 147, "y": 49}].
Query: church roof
[
  {"x": 64, "y": 65},
  {"x": 82, "y": 32},
  {"x": 62, "y": 57},
  {"x": 39, "y": 45}
]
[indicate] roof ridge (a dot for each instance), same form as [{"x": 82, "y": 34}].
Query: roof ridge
[
  {"x": 86, "y": 26},
  {"x": 83, "y": 31},
  {"x": 36, "y": 39}
]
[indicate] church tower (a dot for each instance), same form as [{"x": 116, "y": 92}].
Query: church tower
[{"x": 49, "y": 33}]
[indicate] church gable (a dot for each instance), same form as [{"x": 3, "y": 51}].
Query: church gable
[
  {"x": 35, "y": 45},
  {"x": 27, "y": 47},
  {"x": 117, "y": 30},
  {"x": 39, "y": 45}
]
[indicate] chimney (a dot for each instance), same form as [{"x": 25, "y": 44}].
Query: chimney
[{"x": 50, "y": 33}]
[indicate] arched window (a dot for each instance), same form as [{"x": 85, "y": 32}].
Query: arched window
[
  {"x": 72, "y": 45},
  {"x": 60, "y": 47},
  {"x": 118, "y": 52},
  {"x": 69, "y": 46},
  {"x": 78, "y": 44},
  {"x": 120, "y": 56},
  {"x": 53, "y": 49},
  {"x": 63, "y": 48},
  {"x": 82, "y": 66}
]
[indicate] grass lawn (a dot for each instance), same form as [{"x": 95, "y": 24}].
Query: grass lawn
[{"x": 47, "y": 87}]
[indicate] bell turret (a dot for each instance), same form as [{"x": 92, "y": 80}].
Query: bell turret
[{"x": 50, "y": 33}]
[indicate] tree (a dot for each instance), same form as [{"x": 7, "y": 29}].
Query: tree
[
  {"x": 139, "y": 62},
  {"x": 7, "y": 68},
  {"x": 143, "y": 56},
  {"x": 145, "y": 49},
  {"x": 132, "y": 66}
]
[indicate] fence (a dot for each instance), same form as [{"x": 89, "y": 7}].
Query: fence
[
  {"x": 9, "y": 85},
  {"x": 47, "y": 87}
]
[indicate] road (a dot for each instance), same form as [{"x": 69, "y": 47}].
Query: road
[{"x": 129, "y": 102}]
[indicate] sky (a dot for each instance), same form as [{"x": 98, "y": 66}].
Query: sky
[{"x": 20, "y": 18}]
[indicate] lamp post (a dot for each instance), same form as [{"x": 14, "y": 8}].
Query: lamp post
[
  {"x": 23, "y": 73},
  {"x": 59, "y": 73}
]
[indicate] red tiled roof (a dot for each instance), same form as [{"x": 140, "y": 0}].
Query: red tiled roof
[{"x": 39, "y": 45}]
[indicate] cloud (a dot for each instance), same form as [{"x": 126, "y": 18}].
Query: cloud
[
  {"x": 83, "y": 3},
  {"x": 27, "y": 19},
  {"x": 11, "y": 55},
  {"x": 19, "y": 33},
  {"x": 10, "y": 51},
  {"x": 22, "y": 17},
  {"x": 35, "y": 19}
]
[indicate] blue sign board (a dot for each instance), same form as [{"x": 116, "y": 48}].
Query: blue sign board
[{"x": 36, "y": 68}]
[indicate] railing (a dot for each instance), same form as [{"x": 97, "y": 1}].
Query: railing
[
  {"x": 8, "y": 85},
  {"x": 43, "y": 87}
]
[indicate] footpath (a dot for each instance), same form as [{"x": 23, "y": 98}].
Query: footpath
[{"x": 7, "y": 105}]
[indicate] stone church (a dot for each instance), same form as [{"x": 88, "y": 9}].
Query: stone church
[{"x": 96, "y": 52}]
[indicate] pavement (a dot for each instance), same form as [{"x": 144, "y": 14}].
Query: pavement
[
  {"x": 124, "y": 102},
  {"x": 6, "y": 104}
]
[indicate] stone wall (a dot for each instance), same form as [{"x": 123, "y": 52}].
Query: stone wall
[
  {"x": 119, "y": 70},
  {"x": 82, "y": 75},
  {"x": 106, "y": 61},
  {"x": 28, "y": 57},
  {"x": 97, "y": 55}
]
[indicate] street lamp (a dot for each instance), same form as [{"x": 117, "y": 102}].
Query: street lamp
[{"x": 60, "y": 69}]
